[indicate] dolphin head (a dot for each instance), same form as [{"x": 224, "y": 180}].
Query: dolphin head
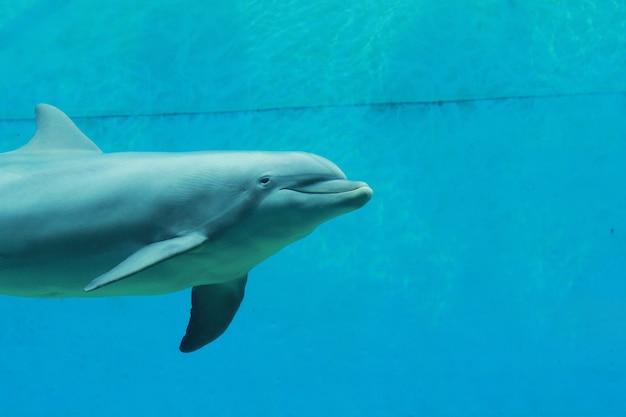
[
  {"x": 309, "y": 190},
  {"x": 299, "y": 191}
]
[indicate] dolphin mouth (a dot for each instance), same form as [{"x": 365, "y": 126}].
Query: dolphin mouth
[{"x": 329, "y": 187}]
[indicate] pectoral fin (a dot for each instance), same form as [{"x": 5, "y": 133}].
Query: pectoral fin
[
  {"x": 213, "y": 307},
  {"x": 146, "y": 257}
]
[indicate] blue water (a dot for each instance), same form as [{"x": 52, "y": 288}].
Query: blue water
[{"x": 485, "y": 278}]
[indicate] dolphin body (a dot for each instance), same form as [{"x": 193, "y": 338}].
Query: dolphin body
[{"x": 75, "y": 222}]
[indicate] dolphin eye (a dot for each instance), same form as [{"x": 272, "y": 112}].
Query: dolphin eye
[{"x": 264, "y": 180}]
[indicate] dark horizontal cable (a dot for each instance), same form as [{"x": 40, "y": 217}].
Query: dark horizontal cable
[{"x": 389, "y": 104}]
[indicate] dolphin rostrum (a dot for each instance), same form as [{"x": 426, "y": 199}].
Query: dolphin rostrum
[{"x": 75, "y": 222}]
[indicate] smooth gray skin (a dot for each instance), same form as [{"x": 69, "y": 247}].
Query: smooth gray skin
[{"x": 79, "y": 223}]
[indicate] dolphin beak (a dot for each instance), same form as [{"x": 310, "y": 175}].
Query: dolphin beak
[
  {"x": 350, "y": 195},
  {"x": 329, "y": 187}
]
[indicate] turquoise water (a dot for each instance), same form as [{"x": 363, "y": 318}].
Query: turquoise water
[{"x": 486, "y": 276}]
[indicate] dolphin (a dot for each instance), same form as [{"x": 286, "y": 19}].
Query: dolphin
[{"x": 76, "y": 222}]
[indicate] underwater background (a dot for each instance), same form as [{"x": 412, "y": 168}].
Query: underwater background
[{"x": 485, "y": 278}]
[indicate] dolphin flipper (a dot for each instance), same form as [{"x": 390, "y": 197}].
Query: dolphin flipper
[
  {"x": 146, "y": 257},
  {"x": 213, "y": 307}
]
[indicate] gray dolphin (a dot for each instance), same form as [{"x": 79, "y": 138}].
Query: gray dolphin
[{"x": 76, "y": 222}]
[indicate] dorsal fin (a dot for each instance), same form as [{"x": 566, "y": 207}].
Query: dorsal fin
[{"x": 56, "y": 132}]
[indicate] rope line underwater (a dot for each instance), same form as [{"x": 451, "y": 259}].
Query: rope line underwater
[{"x": 384, "y": 104}]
